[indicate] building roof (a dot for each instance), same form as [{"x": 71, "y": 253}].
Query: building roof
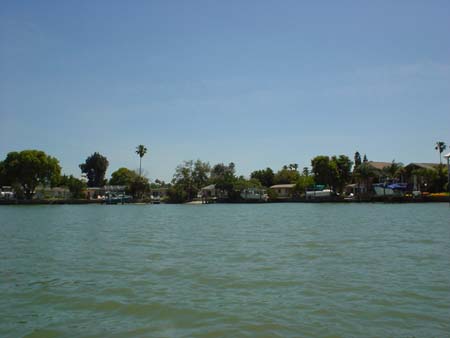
[
  {"x": 429, "y": 166},
  {"x": 281, "y": 186},
  {"x": 379, "y": 165},
  {"x": 209, "y": 187},
  {"x": 115, "y": 187}
]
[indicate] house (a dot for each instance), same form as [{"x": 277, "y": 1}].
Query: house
[
  {"x": 283, "y": 190},
  {"x": 92, "y": 193},
  {"x": 424, "y": 180},
  {"x": 211, "y": 193},
  {"x": 157, "y": 194},
  {"x": 416, "y": 166},
  {"x": 52, "y": 193},
  {"x": 6, "y": 192},
  {"x": 208, "y": 192},
  {"x": 254, "y": 194},
  {"x": 115, "y": 188},
  {"x": 378, "y": 167}
]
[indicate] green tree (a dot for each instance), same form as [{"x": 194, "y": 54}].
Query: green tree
[
  {"x": 2, "y": 174},
  {"x": 122, "y": 176},
  {"x": 428, "y": 179},
  {"x": 357, "y": 159},
  {"x": 139, "y": 187},
  {"x": 287, "y": 175},
  {"x": 440, "y": 147},
  {"x": 302, "y": 184},
  {"x": 158, "y": 184},
  {"x": 305, "y": 171},
  {"x": 364, "y": 173},
  {"x": 95, "y": 169},
  {"x": 264, "y": 176},
  {"x": 200, "y": 174},
  {"x": 322, "y": 170},
  {"x": 188, "y": 179},
  {"x": 75, "y": 185},
  {"x": 393, "y": 170},
  {"x": 141, "y": 150},
  {"x": 183, "y": 180},
  {"x": 28, "y": 169},
  {"x": 223, "y": 176},
  {"x": 176, "y": 194},
  {"x": 343, "y": 171}
]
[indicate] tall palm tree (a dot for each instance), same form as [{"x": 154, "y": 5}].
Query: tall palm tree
[
  {"x": 141, "y": 150},
  {"x": 440, "y": 147}
]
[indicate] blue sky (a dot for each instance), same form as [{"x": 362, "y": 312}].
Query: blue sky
[{"x": 259, "y": 83}]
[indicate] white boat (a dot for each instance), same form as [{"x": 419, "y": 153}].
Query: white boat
[
  {"x": 319, "y": 194},
  {"x": 395, "y": 189}
]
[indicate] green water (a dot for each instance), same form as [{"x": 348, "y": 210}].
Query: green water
[{"x": 277, "y": 270}]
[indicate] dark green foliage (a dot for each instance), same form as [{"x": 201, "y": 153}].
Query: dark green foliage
[
  {"x": 95, "y": 169},
  {"x": 357, "y": 160},
  {"x": 27, "y": 169},
  {"x": 264, "y": 176},
  {"x": 139, "y": 187},
  {"x": 74, "y": 185},
  {"x": 344, "y": 174},
  {"x": 440, "y": 147},
  {"x": 223, "y": 176},
  {"x": 393, "y": 170},
  {"x": 159, "y": 184},
  {"x": 432, "y": 180},
  {"x": 3, "y": 180},
  {"x": 273, "y": 195},
  {"x": 200, "y": 174},
  {"x": 288, "y": 174},
  {"x": 364, "y": 173},
  {"x": 322, "y": 170},
  {"x": 176, "y": 194},
  {"x": 305, "y": 171},
  {"x": 122, "y": 176},
  {"x": 334, "y": 172},
  {"x": 141, "y": 150},
  {"x": 188, "y": 179},
  {"x": 303, "y": 183}
]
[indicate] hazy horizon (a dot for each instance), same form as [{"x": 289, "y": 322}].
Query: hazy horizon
[{"x": 260, "y": 84}]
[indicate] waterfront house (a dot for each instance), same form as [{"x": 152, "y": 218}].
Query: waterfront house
[
  {"x": 94, "y": 193},
  {"x": 283, "y": 191},
  {"x": 378, "y": 167},
  {"x": 420, "y": 175},
  {"x": 254, "y": 194},
  {"x": 6, "y": 192},
  {"x": 52, "y": 193},
  {"x": 115, "y": 189},
  {"x": 210, "y": 192},
  {"x": 158, "y": 194},
  {"x": 416, "y": 166}
]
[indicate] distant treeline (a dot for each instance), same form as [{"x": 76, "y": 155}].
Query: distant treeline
[{"x": 28, "y": 169}]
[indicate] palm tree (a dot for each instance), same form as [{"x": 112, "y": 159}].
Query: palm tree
[
  {"x": 440, "y": 147},
  {"x": 141, "y": 150},
  {"x": 363, "y": 174},
  {"x": 393, "y": 170}
]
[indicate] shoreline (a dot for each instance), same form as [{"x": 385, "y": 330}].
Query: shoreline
[{"x": 397, "y": 200}]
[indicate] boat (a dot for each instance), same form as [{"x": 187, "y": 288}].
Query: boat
[
  {"x": 117, "y": 199},
  {"x": 325, "y": 193},
  {"x": 394, "y": 189}
]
